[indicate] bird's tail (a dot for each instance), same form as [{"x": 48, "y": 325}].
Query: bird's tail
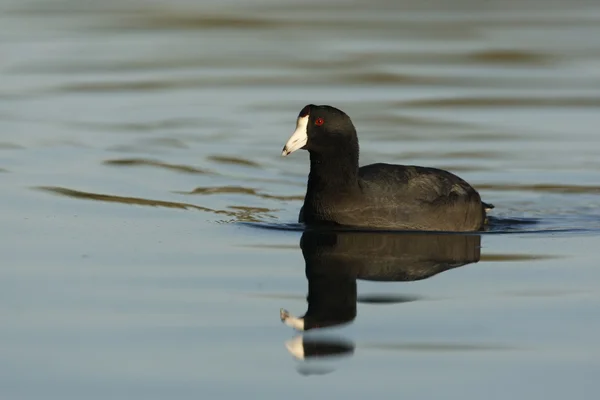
[{"x": 488, "y": 206}]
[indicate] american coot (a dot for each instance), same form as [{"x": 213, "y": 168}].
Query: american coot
[{"x": 377, "y": 195}]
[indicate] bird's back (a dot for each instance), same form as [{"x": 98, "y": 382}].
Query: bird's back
[{"x": 411, "y": 197}]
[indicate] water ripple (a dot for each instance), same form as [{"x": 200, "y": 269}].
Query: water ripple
[
  {"x": 544, "y": 188},
  {"x": 240, "y": 190},
  {"x": 154, "y": 163},
  {"x": 240, "y": 213},
  {"x": 562, "y": 102}
]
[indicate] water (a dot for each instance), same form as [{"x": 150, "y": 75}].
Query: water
[{"x": 148, "y": 225}]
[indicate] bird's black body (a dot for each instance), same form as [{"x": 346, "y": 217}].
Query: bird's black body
[{"x": 379, "y": 195}]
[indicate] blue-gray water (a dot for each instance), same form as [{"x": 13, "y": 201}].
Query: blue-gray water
[{"x": 140, "y": 164}]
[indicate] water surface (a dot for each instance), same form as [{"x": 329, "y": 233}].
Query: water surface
[{"x": 148, "y": 227}]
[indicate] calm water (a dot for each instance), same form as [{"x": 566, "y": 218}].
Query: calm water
[{"x": 148, "y": 223}]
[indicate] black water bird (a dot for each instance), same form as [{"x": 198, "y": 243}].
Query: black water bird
[{"x": 378, "y": 195}]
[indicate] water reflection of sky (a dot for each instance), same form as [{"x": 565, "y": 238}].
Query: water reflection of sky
[{"x": 156, "y": 128}]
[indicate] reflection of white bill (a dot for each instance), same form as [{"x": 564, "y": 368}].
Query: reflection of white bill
[
  {"x": 316, "y": 353},
  {"x": 296, "y": 347}
]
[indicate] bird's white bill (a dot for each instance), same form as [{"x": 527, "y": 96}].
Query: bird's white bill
[
  {"x": 299, "y": 137},
  {"x": 296, "y": 347},
  {"x": 290, "y": 320}
]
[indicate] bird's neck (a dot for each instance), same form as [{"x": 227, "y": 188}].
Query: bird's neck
[{"x": 330, "y": 172}]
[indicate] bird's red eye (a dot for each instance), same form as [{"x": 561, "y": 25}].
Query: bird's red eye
[{"x": 319, "y": 121}]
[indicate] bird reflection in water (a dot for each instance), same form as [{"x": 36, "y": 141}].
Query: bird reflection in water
[{"x": 336, "y": 259}]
